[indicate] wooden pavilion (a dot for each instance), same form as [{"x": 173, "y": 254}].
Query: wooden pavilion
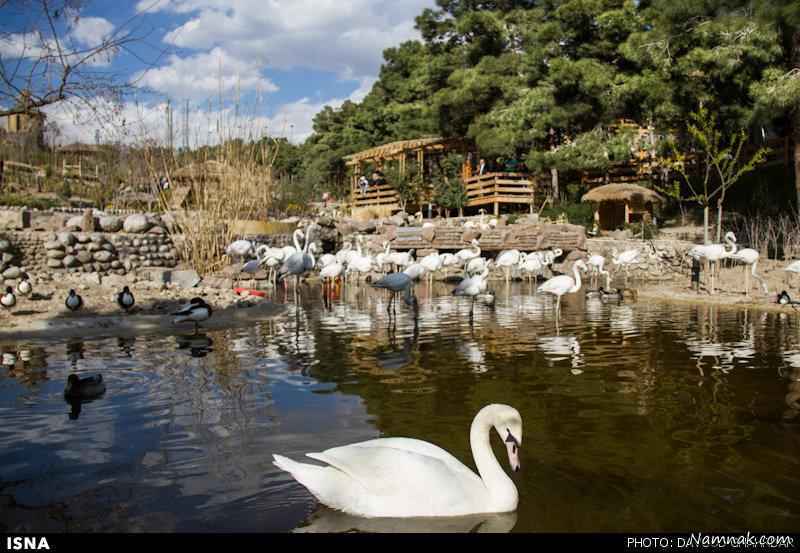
[{"x": 381, "y": 198}]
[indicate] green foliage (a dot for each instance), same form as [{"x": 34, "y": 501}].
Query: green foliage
[
  {"x": 407, "y": 184},
  {"x": 19, "y": 200},
  {"x": 446, "y": 180},
  {"x": 576, "y": 213}
]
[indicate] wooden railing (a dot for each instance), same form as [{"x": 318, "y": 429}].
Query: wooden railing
[
  {"x": 21, "y": 173},
  {"x": 376, "y": 195},
  {"x": 498, "y": 188}
]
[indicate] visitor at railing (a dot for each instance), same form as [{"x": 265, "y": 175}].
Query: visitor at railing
[{"x": 363, "y": 184}]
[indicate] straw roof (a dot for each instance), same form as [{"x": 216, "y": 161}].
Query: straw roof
[
  {"x": 394, "y": 148},
  {"x": 622, "y": 192}
]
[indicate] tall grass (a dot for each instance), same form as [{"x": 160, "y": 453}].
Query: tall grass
[
  {"x": 217, "y": 192},
  {"x": 773, "y": 236}
]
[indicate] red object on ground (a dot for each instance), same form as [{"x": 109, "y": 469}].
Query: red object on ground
[{"x": 259, "y": 293}]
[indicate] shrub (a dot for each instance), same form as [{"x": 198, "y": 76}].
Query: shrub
[{"x": 577, "y": 214}]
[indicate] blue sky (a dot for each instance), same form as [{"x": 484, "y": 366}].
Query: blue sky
[{"x": 284, "y": 59}]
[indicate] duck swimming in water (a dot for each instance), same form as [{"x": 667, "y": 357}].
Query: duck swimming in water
[
  {"x": 125, "y": 299},
  {"x": 88, "y": 387},
  {"x": 8, "y": 300},
  {"x": 73, "y": 302},
  {"x": 196, "y": 311}
]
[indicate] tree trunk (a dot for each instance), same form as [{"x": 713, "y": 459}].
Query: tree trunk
[
  {"x": 795, "y": 57},
  {"x": 460, "y": 211},
  {"x": 705, "y": 224},
  {"x": 719, "y": 221},
  {"x": 554, "y": 179}
]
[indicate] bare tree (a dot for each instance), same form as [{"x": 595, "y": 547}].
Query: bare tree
[{"x": 50, "y": 53}]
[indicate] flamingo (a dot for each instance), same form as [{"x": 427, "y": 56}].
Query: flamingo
[
  {"x": 432, "y": 263},
  {"x": 749, "y": 256},
  {"x": 472, "y": 286},
  {"x": 564, "y": 284},
  {"x": 402, "y": 259},
  {"x": 595, "y": 264},
  {"x": 239, "y": 248},
  {"x": 713, "y": 253},
  {"x": 793, "y": 267},
  {"x": 477, "y": 265},
  {"x": 448, "y": 260},
  {"x": 628, "y": 257},
  {"x": 531, "y": 263},
  {"x": 396, "y": 283},
  {"x": 415, "y": 270},
  {"x": 507, "y": 260},
  {"x": 468, "y": 253},
  {"x": 382, "y": 259}
]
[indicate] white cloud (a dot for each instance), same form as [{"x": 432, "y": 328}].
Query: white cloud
[
  {"x": 343, "y": 36},
  {"x": 91, "y": 31},
  {"x": 200, "y": 76}
]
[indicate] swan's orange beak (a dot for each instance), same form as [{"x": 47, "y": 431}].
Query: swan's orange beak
[{"x": 513, "y": 453}]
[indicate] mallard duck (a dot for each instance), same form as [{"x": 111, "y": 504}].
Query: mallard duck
[
  {"x": 73, "y": 302},
  {"x": 87, "y": 387},
  {"x": 24, "y": 287},
  {"x": 8, "y": 300},
  {"x": 196, "y": 311},
  {"x": 125, "y": 299}
]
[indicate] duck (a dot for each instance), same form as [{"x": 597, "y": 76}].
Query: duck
[
  {"x": 24, "y": 287},
  {"x": 8, "y": 300},
  {"x": 73, "y": 302},
  {"x": 406, "y": 477},
  {"x": 88, "y": 387},
  {"x": 785, "y": 299},
  {"x": 613, "y": 294},
  {"x": 196, "y": 311},
  {"x": 125, "y": 299}
]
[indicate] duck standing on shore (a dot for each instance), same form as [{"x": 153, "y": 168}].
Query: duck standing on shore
[
  {"x": 8, "y": 300},
  {"x": 73, "y": 302},
  {"x": 24, "y": 287},
  {"x": 196, "y": 311},
  {"x": 125, "y": 299}
]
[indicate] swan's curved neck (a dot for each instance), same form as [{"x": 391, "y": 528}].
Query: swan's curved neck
[{"x": 502, "y": 491}]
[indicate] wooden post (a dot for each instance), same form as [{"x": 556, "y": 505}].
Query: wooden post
[{"x": 627, "y": 214}]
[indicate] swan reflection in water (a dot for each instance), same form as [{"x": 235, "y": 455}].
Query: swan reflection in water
[
  {"x": 328, "y": 520},
  {"x": 199, "y": 345}
]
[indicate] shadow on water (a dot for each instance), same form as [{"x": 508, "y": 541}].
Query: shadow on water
[{"x": 620, "y": 402}]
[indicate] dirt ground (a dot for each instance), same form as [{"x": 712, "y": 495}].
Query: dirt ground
[{"x": 44, "y": 313}]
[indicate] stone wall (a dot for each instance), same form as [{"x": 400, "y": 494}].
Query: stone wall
[{"x": 657, "y": 258}]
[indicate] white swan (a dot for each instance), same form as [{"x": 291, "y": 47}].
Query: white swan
[{"x": 404, "y": 477}]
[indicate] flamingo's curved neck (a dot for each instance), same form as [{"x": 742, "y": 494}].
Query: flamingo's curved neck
[
  {"x": 297, "y": 235},
  {"x": 577, "y": 274}
]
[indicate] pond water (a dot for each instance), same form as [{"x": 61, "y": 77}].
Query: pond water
[{"x": 637, "y": 416}]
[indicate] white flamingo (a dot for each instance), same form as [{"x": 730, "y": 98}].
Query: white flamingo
[
  {"x": 749, "y": 257},
  {"x": 531, "y": 263},
  {"x": 625, "y": 259},
  {"x": 415, "y": 271},
  {"x": 713, "y": 253},
  {"x": 793, "y": 267},
  {"x": 432, "y": 263},
  {"x": 507, "y": 260},
  {"x": 449, "y": 260},
  {"x": 240, "y": 249},
  {"x": 595, "y": 264},
  {"x": 472, "y": 286},
  {"x": 564, "y": 284},
  {"x": 468, "y": 253}
]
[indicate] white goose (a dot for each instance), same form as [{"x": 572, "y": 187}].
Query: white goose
[{"x": 405, "y": 477}]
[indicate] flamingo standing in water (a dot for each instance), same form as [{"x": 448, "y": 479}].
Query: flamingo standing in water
[
  {"x": 564, "y": 284},
  {"x": 595, "y": 264}
]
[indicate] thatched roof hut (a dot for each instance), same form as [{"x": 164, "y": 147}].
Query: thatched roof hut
[
  {"x": 622, "y": 192},
  {"x": 623, "y": 203}
]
